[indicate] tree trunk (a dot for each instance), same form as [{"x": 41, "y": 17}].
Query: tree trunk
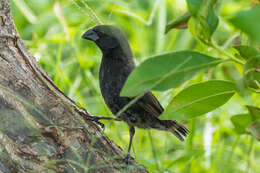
[{"x": 41, "y": 129}]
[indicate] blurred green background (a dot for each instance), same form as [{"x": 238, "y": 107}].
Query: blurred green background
[{"x": 52, "y": 30}]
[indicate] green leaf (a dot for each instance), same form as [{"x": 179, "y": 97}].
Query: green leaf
[
  {"x": 199, "y": 99},
  {"x": 254, "y": 111},
  {"x": 254, "y": 129},
  {"x": 252, "y": 73},
  {"x": 204, "y": 21},
  {"x": 246, "y": 122},
  {"x": 247, "y": 21},
  {"x": 194, "y": 6},
  {"x": 179, "y": 23},
  {"x": 166, "y": 71},
  {"x": 247, "y": 52},
  {"x": 241, "y": 121}
]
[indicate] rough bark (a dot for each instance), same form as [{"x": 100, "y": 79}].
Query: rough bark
[{"x": 41, "y": 129}]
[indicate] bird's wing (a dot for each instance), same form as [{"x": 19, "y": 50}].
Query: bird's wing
[{"x": 149, "y": 103}]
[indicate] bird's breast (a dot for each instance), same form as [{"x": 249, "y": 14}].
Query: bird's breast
[{"x": 112, "y": 76}]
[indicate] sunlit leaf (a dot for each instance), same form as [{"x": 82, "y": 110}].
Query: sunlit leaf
[
  {"x": 166, "y": 71},
  {"x": 199, "y": 99}
]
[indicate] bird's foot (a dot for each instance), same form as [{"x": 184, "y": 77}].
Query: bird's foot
[
  {"x": 91, "y": 118},
  {"x": 96, "y": 119},
  {"x": 127, "y": 159},
  {"x": 83, "y": 112}
]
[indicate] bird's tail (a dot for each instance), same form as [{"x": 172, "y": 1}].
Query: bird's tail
[{"x": 179, "y": 130}]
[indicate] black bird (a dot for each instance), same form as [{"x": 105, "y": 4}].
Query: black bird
[{"x": 117, "y": 63}]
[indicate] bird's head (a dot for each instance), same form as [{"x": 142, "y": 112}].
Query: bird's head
[{"x": 107, "y": 37}]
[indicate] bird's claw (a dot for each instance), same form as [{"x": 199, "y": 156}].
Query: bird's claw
[
  {"x": 95, "y": 119},
  {"x": 102, "y": 125},
  {"x": 126, "y": 159}
]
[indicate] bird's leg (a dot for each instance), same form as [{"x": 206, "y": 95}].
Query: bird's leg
[
  {"x": 97, "y": 118},
  {"x": 132, "y": 133}
]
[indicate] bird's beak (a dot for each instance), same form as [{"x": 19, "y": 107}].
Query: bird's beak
[{"x": 90, "y": 35}]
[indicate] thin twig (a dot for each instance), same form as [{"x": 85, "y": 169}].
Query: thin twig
[{"x": 90, "y": 13}]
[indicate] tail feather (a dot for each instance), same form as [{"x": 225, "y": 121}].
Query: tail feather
[{"x": 179, "y": 130}]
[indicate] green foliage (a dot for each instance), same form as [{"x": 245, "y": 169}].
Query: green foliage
[
  {"x": 247, "y": 52},
  {"x": 204, "y": 20},
  {"x": 248, "y": 123},
  {"x": 254, "y": 112},
  {"x": 247, "y": 22},
  {"x": 166, "y": 71},
  {"x": 241, "y": 121},
  {"x": 199, "y": 99},
  {"x": 194, "y": 6},
  {"x": 254, "y": 129},
  {"x": 252, "y": 73},
  {"x": 180, "y": 22},
  {"x": 181, "y": 62}
]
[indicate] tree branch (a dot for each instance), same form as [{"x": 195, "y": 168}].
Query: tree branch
[{"x": 41, "y": 129}]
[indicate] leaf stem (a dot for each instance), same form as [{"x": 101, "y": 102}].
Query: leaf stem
[
  {"x": 249, "y": 153},
  {"x": 190, "y": 141},
  {"x": 233, "y": 149},
  {"x": 216, "y": 47},
  {"x": 154, "y": 151},
  {"x": 192, "y": 133},
  {"x": 128, "y": 105}
]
